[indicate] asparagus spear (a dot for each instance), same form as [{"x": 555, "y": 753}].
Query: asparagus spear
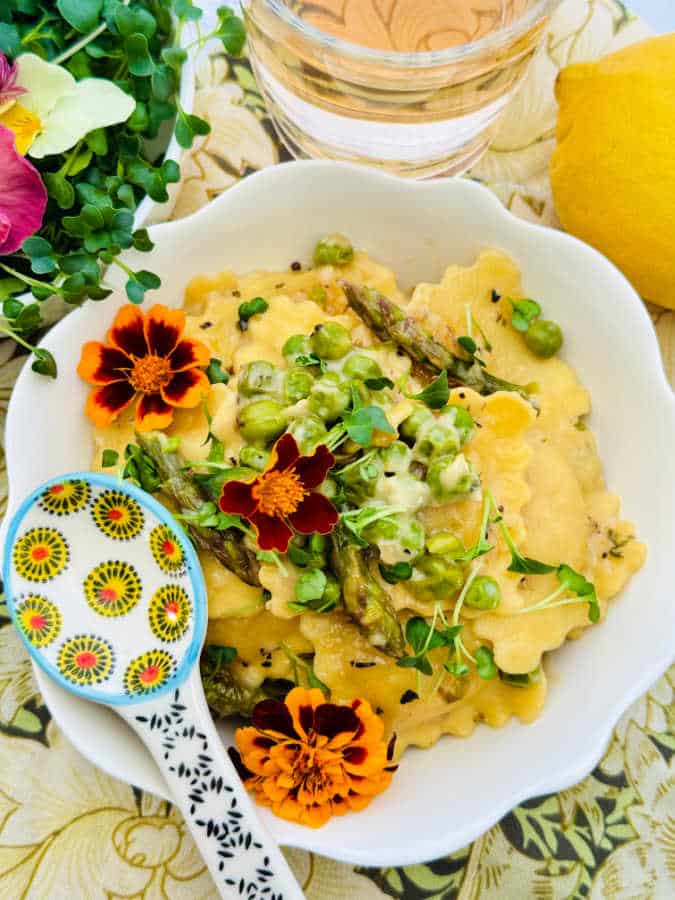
[
  {"x": 224, "y": 694},
  {"x": 364, "y": 600},
  {"x": 390, "y": 323},
  {"x": 227, "y": 546}
]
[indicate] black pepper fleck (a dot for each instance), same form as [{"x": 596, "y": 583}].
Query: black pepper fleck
[
  {"x": 280, "y": 285},
  {"x": 408, "y": 697},
  {"x": 206, "y": 325},
  {"x": 236, "y": 293},
  {"x": 361, "y": 664},
  {"x": 495, "y": 297},
  {"x": 296, "y": 266},
  {"x": 378, "y": 710}
]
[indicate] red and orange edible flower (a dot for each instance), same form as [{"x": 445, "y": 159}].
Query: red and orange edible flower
[
  {"x": 281, "y": 499},
  {"x": 145, "y": 357},
  {"x": 309, "y": 760}
]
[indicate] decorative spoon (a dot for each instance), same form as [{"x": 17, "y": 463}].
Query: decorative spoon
[{"x": 109, "y": 598}]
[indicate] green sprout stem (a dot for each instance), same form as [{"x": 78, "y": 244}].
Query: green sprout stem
[
  {"x": 15, "y": 337},
  {"x": 28, "y": 280},
  {"x": 83, "y": 42}
]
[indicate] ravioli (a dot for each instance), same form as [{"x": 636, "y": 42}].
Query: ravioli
[{"x": 541, "y": 466}]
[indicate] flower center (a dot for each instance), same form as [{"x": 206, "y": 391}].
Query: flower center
[
  {"x": 39, "y": 553},
  {"x": 149, "y": 374},
  {"x": 278, "y": 493},
  {"x": 25, "y": 125},
  {"x": 38, "y": 622},
  {"x": 149, "y": 674},
  {"x": 168, "y": 548},
  {"x": 85, "y": 660}
]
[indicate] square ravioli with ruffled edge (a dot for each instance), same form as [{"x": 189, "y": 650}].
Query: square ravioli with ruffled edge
[{"x": 394, "y": 498}]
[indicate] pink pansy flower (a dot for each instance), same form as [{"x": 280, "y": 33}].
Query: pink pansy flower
[
  {"x": 23, "y": 197},
  {"x": 9, "y": 89}
]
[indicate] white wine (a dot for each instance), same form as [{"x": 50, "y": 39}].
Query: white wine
[
  {"x": 409, "y": 26},
  {"x": 412, "y": 86}
]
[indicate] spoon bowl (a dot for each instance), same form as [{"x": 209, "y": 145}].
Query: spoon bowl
[{"x": 108, "y": 596}]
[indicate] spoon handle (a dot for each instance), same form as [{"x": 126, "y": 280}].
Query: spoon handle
[{"x": 242, "y": 857}]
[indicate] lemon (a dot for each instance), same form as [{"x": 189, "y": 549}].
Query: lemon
[{"x": 613, "y": 170}]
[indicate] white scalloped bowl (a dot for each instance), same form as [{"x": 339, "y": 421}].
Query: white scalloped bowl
[{"x": 444, "y": 797}]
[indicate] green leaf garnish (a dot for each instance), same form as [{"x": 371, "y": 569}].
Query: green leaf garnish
[
  {"x": 44, "y": 363},
  {"x": 215, "y": 372},
  {"x": 221, "y": 656},
  {"x": 467, "y": 343},
  {"x": 361, "y": 423},
  {"x": 109, "y": 458},
  {"x": 250, "y": 308},
  {"x": 400, "y": 571},
  {"x": 378, "y": 384},
  {"x": 436, "y": 394},
  {"x": 524, "y": 313},
  {"x": 485, "y": 663}
]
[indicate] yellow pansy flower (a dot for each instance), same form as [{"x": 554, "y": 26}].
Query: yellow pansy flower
[{"x": 56, "y": 111}]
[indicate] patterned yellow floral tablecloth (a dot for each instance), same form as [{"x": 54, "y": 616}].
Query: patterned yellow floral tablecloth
[{"x": 70, "y": 832}]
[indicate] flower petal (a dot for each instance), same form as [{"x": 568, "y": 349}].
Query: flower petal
[
  {"x": 106, "y": 403},
  {"x": 273, "y": 715},
  {"x": 186, "y": 388},
  {"x": 315, "y": 513},
  {"x": 189, "y": 353},
  {"x": 127, "y": 331},
  {"x": 237, "y": 498},
  {"x": 23, "y": 124},
  {"x": 44, "y": 82},
  {"x": 331, "y": 720},
  {"x": 100, "y": 364},
  {"x": 273, "y": 533},
  {"x": 284, "y": 454},
  {"x": 163, "y": 328},
  {"x": 301, "y": 703},
  {"x": 94, "y": 103},
  {"x": 23, "y": 197},
  {"x": 152, "y": 413},
  {"x": 312, "y": 470}
]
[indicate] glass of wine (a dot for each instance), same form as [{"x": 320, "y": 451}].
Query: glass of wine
[{"x": 415, "y": 87}]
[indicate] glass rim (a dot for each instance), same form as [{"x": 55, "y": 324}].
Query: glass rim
[{"x": 412, "y": 59}]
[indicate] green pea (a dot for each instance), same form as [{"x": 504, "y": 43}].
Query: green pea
[
  {"x": 484, "y": 593},
  {"x": 254, "y": 458},
  {"x": 437, "y": 436},
  {"x": 544, "y": 338},
  {"x": 329, "y": 396},
  {"x": 445, "y": 543},
  {"x": 297, "y": 384},
  {"x": 318, "y": 294},
  {"x": 308, "y": 432},
  {"x": 330, "y": 340},
  {"x": 333, "y": 250},
  {"x": 451, "y": 477},
  {"x": 410, "y": 426},
  {"x": 436, "y": 579},
  {"x": 359, "y": 367},
  {"x": 396, "y": 458},
  {"x": 400, "y": 538},
  {"x": 258, "y": 377},
  {"x": 262, "y": 420},
  {"x": 360, "y": 480},
  {"x": 296, "y": 345}
]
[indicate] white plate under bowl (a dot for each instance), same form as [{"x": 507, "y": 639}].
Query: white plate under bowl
[{"x": 442, "y": 798}]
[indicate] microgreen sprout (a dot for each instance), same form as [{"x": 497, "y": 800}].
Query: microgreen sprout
[{"x": 302, "y": 667}]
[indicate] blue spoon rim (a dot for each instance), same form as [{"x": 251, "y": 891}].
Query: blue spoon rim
[{"x": 193, "y": 566}]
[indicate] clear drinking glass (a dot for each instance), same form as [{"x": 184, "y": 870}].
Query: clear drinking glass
[{"x": 417, "y": 112}]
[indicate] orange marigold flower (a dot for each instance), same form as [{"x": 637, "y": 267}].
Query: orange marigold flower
[
  {"x": 281, "y": 499},
  {"x": 145, "y": 357},
  {"x": 309, "y": 759}
]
